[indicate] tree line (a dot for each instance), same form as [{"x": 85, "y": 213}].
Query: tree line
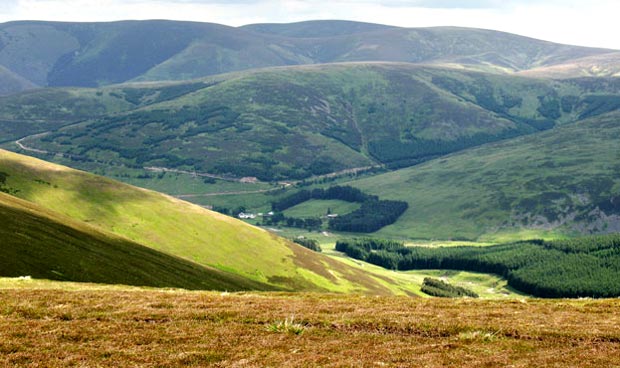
[
  {"x": 343, "y": 193},
  {"x": 442, "y": 289},
  {"x": 311, "y": 244},
  {"x": 370, "y": 217},
  {"x": 583, "y": 267}
]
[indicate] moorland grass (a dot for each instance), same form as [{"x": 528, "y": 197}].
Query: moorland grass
[{"x": 94, "y": 327}]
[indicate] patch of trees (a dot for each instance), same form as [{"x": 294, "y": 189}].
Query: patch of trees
[
  {"x": 301, "y": 223},
  {"x": 348, "y": 137},
  {"x": 311, "y": 244},
  {"x": 396, "y": 153},
  {"x": 583, "y": 267},
  {"x": 381, "y": 252},
  {"x": 442, "y": 289},
  {"x": 594, "y": 105},
  {"x": 370, "y": 217},
  {"x": 343, "y": 193},
  {"x": 5, "y": 188},
  {"x": 549, "y": 107}
]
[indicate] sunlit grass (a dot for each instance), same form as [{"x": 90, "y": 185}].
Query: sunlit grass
[{"x": 55, "y": 325}]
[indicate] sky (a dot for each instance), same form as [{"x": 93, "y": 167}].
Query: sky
[{"x": 577, "y": 22}]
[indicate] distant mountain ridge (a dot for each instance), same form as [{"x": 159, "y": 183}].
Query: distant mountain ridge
[{"x": 96, "y": 54}]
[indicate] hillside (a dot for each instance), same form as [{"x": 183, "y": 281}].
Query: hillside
[
  {"x": 11, "y": 82},
  {"x": 45, "y": 245},
  {"x": 41, "y": 110},
  {"x": 604, "y": 65},
  {"x": 179, "y": 228},
  {"x": 96, "y": 54},
  {"x": 290, "y": 123},
  {"x": 316, "y": 28},
  {"x": 559, "y": 182},
  {"x": 48, "y": 326}
]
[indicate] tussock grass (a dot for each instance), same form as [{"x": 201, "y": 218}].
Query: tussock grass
[{"x": 288, "y": 325}]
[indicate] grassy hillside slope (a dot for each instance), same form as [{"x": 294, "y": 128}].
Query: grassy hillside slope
[
  {"x": 604, "y": 65},
  {"x": 95, "y": 54},
  {"x": 562, "y": 181},
  {"x": 40, "y": 110},
  {"x": 179, "y": 228},
  {"x": 44, "y": 244},
  {"x": 294, "y": 122},
  {"x": 11, "y": 82}
]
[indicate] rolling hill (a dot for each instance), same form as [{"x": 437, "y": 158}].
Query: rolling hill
[
  {"x": 96, "y": 54},
  {"x": 180, "y": 229},
  {"x": 555, "y": 183},
  {"x": 605, "y": 65},
  {"x": 294, "y": 122},
  {"x": 46, "y": 245}
]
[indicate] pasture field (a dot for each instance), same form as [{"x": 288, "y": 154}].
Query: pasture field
[{"x": 320, "y": 207}]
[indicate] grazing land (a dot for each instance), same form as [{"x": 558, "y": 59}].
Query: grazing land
[
  {"x": 321, "y": 207},
  {"x": 60, "y": 325},
  {"x": 558, "y": 183},
  {"x": 44, "y": 244}
]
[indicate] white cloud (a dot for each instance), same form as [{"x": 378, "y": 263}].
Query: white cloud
[{"x": 582, "y": 22}]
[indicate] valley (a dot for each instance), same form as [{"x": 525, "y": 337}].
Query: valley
[{"x": 320, "y": 193}]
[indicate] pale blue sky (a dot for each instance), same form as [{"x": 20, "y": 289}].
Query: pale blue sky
[{"x": 578, "y": 22}]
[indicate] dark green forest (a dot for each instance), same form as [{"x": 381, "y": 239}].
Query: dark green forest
[
  {"x": 370, "y": 217},
  {"x": 581, "y": 267},
  {"x": 442, "y": 289}
]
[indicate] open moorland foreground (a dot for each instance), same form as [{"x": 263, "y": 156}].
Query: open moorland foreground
[{"x": 59, "y": 325}]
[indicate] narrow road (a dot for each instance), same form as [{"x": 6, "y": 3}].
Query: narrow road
[
  {"x": 196, "y": 195},
  {"x": 192, "y": 173},
  {"x": 21, "y": 145}
]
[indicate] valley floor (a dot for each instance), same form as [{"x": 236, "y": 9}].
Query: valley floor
[{"x": 55, "y": 324}]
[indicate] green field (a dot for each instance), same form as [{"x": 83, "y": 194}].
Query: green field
[{"x": 320, "y": 208}]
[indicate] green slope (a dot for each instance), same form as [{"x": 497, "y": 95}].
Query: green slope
[
  {"x": 295, "y": 122},
  {"x": 555, "y": 183},
  {"x": 179, "y": 228},
  {"x": 40, "y": 110},
  {"x": 43, "y": 244},
  {"x": 604, "y": 65},
  {"x": 95, "y": 54},
  {"x": 11, "y": 82}
]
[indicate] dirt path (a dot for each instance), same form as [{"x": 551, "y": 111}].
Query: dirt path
[{"x": 21, "y": 145}]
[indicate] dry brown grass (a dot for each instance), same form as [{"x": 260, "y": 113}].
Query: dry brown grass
[{"x": 101, "y": 328}]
